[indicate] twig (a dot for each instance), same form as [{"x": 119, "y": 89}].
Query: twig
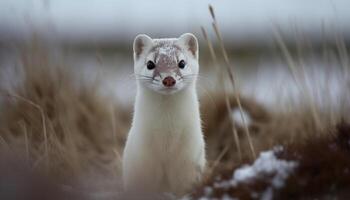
[
  {"x": 26, "y": 141},
  {"x": 42, "y": 120},
  {"x": 218, "y": 159},
  {"x": 302, "y": 85},
  {"x": 231, "y": 76},
  {"x": 228, "y": 104}
]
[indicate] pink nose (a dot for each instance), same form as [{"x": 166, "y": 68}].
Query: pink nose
[{"x": 169, "y": 81}]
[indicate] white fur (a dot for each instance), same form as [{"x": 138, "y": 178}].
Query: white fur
[{"x": 165, "y": 150}]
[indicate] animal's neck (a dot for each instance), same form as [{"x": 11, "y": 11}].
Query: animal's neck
[{"x": 150, "y": 104}]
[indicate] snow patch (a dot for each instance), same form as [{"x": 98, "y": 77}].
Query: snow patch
[
  {"x": 227, "y": 197},
  {"x": 167, "y": 49},
  {"x": 267, "y": 166},
  {"x": 267, "y": 163},
  {"x": 208, "y": 191},
  {"x": 238, "y": 117},
  {"x": 267, "y": 195},
  {"x": 164, "y": 50}
]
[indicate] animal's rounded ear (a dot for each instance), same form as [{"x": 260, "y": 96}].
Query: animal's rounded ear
[
  {"x": 190, "y": 42},
  {"x": 141, "y": 42}
]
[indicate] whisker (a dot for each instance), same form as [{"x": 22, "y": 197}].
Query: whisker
[
  {"x": 196, "y": 75},
  {"x": 144, "y": 76},
  {"x": 187, "y": 75},
  {"x": 153, "y": 83},
  {"x": 143, "y": 79}
]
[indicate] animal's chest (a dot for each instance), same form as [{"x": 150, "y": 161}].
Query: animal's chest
[{"x": 168, "y": 137}]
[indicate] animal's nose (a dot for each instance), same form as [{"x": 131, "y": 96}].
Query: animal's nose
[{"x": 169, "y": 81}]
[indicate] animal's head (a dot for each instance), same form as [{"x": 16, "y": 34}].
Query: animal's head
[{"x": 166, "y": 65}]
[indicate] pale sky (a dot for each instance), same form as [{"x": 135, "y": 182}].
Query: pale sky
[{"x": 123, "y": 19}]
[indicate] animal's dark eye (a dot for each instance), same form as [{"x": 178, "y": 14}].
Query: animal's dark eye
[
  {"x": 182, "y": 64},
  {"x": 151, "y": 65}
]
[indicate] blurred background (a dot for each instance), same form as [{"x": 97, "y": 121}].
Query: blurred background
[
  {"x": 99, "y": 34},
  {"x": 67, "y": 86}
]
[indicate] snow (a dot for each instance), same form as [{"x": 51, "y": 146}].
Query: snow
[
  {"x": 208, "y": 191},
  {"x": 237, "y": 117},
  {"x": 267, "y": 163},
  {"x": 268, "y": 194},
  {"x": 165, "y": 50},
  {"x": 227, "y": 197}
]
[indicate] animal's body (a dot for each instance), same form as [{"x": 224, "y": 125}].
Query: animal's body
[{"x": 165, "y": 150}]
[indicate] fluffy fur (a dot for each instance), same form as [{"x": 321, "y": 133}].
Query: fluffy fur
[{"x": 165, "y": 150}]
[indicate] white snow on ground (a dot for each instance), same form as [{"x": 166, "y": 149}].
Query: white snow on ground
[
  {"x": 266, "y": 164},
  {"x": 224, "y": 197},
  {"x": 267, "y": 195},
  {"x": 238, "y": 117}
]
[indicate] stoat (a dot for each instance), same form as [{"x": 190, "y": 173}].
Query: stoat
[{"x": 165, "y": 149}]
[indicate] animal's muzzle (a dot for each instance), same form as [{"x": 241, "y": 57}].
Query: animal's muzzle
[{"x": 169, "y": 81}]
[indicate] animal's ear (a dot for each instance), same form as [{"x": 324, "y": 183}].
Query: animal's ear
[
  {"x": 189, "y": 41},
  {"x": 141, "y": 42}
]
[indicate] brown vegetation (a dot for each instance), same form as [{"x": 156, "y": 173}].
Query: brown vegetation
[
  {"x": 64, "y": 128},
  {"x": 322, "y": 171}
]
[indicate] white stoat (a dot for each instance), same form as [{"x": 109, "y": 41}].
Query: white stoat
[{"x": 165, "y": 149}]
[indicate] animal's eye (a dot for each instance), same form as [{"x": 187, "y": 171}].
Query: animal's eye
[
  {"x": 151, "y": 65},
  {"x": 182, "y": 64}
]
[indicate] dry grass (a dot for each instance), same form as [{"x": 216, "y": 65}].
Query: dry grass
[
  {"x": 229, "y": 71},
  {"x": 64, "y": 128},
  {"x": 218, "y": 122},
  {"x": 322, "y": 171},
  {"x": 305, "y": 128}
]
